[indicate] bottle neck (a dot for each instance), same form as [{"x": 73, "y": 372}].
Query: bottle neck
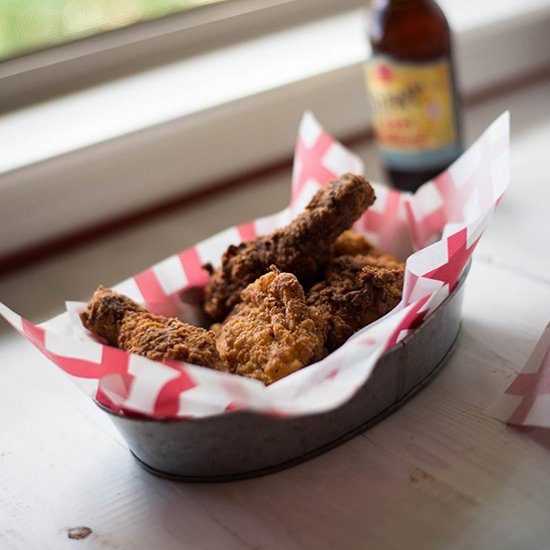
[{"x": 414, "y": 30}]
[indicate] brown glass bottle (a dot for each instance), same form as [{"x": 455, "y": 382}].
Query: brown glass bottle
[{"x": 412, "y": 87}]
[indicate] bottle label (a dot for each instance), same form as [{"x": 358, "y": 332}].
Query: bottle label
[{"x": 413, "y": 112}]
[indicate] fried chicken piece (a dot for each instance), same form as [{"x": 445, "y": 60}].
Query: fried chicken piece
[
  {"x": 129, "y": 326},
  {"x": 350, "y": 243},
  {"x": 301, "y": 248},
  {"x": 358, "y": 290},
  {"x": 272, "y": 332}
]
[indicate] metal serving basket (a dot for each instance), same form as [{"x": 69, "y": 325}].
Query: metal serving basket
[{"x": 239, "y": 445}]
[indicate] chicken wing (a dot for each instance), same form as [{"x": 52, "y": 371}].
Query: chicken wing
[
  {"x": 356, "y": 291},
  {"x": 125, "y": 324},
  {"x": 272, "y": 332},
  {"x": 301, "y": 248}
]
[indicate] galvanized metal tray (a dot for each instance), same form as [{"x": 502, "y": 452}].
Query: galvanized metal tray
[{"x": 240, "y": 445}]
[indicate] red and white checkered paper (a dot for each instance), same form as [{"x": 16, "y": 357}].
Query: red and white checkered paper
[
  {"x": 526, "y": 402},
  {"x": 443, "y": 221}
]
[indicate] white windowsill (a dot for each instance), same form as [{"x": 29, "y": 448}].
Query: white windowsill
[{"x": 97, "y": 154}]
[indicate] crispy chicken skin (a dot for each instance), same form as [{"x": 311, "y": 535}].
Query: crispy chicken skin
[
  {"x": 350, "y": 243},
  {"x": 129, "y": 326},
  {"x": 272, "y": 332},
  {"x": 301, "y": 248},
  {"x": 356, "y": 291}
]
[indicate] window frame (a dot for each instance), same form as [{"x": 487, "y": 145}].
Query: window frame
[
  {"x": 85, "y": 62},
  {"x": 76, "y": 162}
]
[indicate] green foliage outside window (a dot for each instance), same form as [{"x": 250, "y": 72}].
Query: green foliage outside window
[{"x": 29, "y": 25}]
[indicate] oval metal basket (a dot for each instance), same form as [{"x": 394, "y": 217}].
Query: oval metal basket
[{"x": 239, "y": 444}]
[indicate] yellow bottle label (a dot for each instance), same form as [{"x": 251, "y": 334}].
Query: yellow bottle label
[{"x": 413, "y": 112}]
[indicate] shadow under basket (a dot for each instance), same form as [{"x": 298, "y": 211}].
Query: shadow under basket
[{"x": 240, "y": 445}]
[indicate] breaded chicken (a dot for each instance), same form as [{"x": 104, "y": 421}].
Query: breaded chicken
[
  {"x": 129, "y": 326},
  {"x": 272, "y": 332},
  {"x": 356, "y": 291},
  {"x": 350, "y": 243},
  {"x": 301, "y": 248}
]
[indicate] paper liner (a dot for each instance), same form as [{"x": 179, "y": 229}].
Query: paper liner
[
  {"x": 526, "y": 402},
  {"x": 443, "y": 221}
]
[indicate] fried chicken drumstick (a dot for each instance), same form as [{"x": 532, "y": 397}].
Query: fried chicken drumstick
[
  {"x": 356, "y": 291},
  {"x": 272, "y": 332},
  {"x": 129, "y": 326},
  {"x": 301, "y": 248}
]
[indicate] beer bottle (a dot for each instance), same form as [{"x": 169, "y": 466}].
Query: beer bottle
[{"x": 412, "y": 88}]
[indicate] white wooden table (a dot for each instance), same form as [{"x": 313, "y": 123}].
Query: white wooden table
[{"x": 439, "y": 473}]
